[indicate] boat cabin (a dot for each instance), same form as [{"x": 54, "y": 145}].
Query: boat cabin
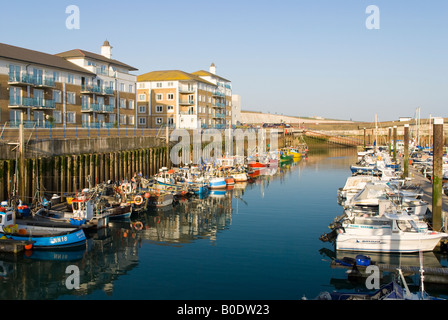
[{"x": 82, "y": 209}]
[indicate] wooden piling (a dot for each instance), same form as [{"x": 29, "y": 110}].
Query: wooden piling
[
  {"x": 437, "y": 174},
  {"x": 406, "y": 151},
  {"x": 395, "y": 144}
]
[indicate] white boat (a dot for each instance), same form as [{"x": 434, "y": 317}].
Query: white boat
[{"x": 397, "y": 233}]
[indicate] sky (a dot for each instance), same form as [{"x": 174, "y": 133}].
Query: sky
[{"x": 293, "y": 57}]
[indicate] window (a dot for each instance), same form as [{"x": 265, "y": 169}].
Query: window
[
  {"x": 131, "y": 104},
  {"x": 131, "y": 88},
  {"x": 170, "y": 109},
  {"x": 159, "y": 97},
  {"x": 100, "y": 101},
  {"x": 122, "y": 119},
  {"x": 159, "y": 109},
  {"x": 141, "y": 109},
  {"x": 170, "y": 121},
  {"x": 71, "y": 117},
  {"x": 56, "y": 76},
  {"x": 57, "y": 96},
  {"x": 142, "y": 120},
  {"x": 159, "y": 85},
  {"x": 71, "y": 98},
  {"x": 112, "y": 102},
  {"x": 141, "y": 85},
  {"x": 170, "y": 84},
  {"x": 131, "y": 119},
  {"x": 159, "y": 120},
  {"x": 122, "y": 87},
  {"x": 123, "y": 103},
  {"x": 170, "y": 96},
  {"x": 84, "y": 101},
  {"x": 142, "y": 97},
  {"x": 70, "y": 79},
  {"x": 57, "y": 116},
  {"x": 112, "y": 118}
]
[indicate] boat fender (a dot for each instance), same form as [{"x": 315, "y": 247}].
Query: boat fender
[
  {"x": 138, "y": 225},
  {"x": 138, "y": 200},
  {"x": 157, "y": 219}
]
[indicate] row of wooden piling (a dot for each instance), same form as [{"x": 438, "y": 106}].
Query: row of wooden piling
[{"x": 68, "y": 173}]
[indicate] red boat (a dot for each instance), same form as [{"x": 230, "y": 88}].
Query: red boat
[{"x": 256, "y": 165}]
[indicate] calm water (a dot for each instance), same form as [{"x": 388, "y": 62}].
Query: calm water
[{"x": 259, "y": 241}]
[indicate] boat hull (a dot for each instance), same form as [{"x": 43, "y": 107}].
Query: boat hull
[
  {"x": 71, "y": 239},
  {"x": 400, "y": 243}
]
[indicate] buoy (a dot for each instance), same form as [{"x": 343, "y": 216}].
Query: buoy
[
  {"x": 28, "y": 246},
  {"x": 138, "y": 225},
  {"x": 138, "y": 200}
]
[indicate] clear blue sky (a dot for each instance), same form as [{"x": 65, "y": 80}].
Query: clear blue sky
[{"x": 296, "y": 57}]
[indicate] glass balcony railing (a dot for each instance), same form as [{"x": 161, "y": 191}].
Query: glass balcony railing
[
  {"x": 23, "y": 78},
  {"x": 97, "y": 90}
]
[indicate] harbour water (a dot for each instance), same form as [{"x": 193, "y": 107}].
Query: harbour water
[{"x": 258, "y": 241}]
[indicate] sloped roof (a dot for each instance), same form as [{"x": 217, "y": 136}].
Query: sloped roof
[
  {"x": 39, "y": 58},
  {"x": 167, "y": 75},
  {"x": 78, "y": 53},
  {"x": 207, "y": 74}
]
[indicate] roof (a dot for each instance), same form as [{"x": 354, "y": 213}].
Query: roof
[
  {"x": 167, "y": 75},
  {"x": 78, "y": 53},
  {"x": 40, "y": 58},
  {"x": 204, "y": 73}
]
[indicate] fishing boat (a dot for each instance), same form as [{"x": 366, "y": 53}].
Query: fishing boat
[
  {"x": 294, "y": 152},
  {"x": 217, "y": 183},
  {"x": 390, "y": 235},
  {"x": 81, "y": 212},
  {"x": 44, "y": 235}
]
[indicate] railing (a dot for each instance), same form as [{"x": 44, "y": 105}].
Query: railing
[
  {"x": 31, "y": 80},
  {"x": 188, "y": 102},
  {"x": 97, "y": 90}
]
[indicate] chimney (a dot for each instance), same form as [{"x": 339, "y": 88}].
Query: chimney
[
  {"x": 213, "y": 68},
  {"x": 106, "y": 50}
]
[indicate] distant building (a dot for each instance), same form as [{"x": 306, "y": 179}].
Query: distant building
[
  {"x": 183, "y": 100},
  {"x": 236, "y": 109},
  {"x": 404, "y": 119}
]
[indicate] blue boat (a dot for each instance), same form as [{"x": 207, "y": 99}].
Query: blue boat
[{"x": 45, "y": 235}]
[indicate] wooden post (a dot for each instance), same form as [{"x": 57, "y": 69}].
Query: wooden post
[
  {"x": 437, "y": 174},
  {"x": 406, "y": 151},
  {"x": 21, "y": 173},
  {"x": 395, "y": 144},
  {"x": 390, "y": 141},
  {"x": 167, "y": 151}
]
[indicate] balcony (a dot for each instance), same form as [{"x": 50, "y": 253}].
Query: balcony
[
  {"x": 106, "y": 91},
  {"x": 219, "y": 115},
  {"x": 23, "y": 79},
  {"x": 186, "y": 102},
  {"x": 94, "y": 107},
  {"x": 37, "y": 103},
  {"x": 218, "y": 94},
  {"x": 186, "y": 90},
  {"x": 218, "y": 105}
]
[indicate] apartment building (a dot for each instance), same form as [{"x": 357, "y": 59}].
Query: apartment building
[
  {"x": 181, "y": 100},
  {"x": 222, "y": 97},
  {"x": 72, "y": 89},
  {"x": 107, "y": 99}
]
